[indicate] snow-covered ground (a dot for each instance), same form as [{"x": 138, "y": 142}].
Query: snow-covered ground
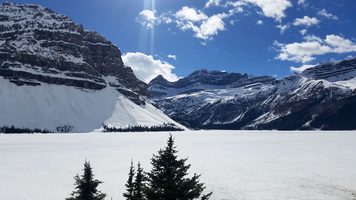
[
  {"x": 49, "y": 106},
  {"x": 234, "y": 164}
]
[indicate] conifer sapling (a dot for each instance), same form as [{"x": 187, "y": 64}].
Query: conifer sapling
[
  {"x": 169, "y": 180},
  {"x": 130, "y": 184},
  {"x": 86, "y": 186},
  {"x": 139, "y": 184}
]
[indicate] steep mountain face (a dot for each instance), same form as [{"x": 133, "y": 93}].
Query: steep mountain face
[
  {"x": 40, "y": 46},
  {"x": 53, "y": 73},
  {"x": 323, "y": 97},
  {"x": 202, "y": 80}
]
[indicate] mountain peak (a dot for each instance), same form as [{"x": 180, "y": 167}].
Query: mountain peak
[
  {"x": 333, "y": 71},
  {"x": 54, "y": 75},
  {"x": 201, "y": 80},
  {"x": 322, "y": 97},
  {"x": 38, "y": 46}
]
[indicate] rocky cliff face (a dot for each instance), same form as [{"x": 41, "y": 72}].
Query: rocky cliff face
[
  {"x": 38, "y": 46},
  {"x": 54, "y": 75},
  {"x": 202, "y": 80},
  {"x": 322, "y": 97}
]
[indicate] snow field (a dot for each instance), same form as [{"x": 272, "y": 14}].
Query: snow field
[
  {"x": 49, "y": 106},
  {"x": 234, "y": 164}
]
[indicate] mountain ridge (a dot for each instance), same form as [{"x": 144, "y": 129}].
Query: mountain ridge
[
  {"x": 54, "y": 75},
  {"x": 304, "y": 101}
]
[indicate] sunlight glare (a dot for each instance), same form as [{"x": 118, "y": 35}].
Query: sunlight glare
[{"x": 147, "y": 38}]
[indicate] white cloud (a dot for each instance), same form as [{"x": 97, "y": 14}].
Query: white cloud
[
  {"x": 311, "y": 38},
  {"x": 165, "y": 19},
  {"x": 272, "y": 8},
  {"x": 327, "y": 15},
  {"x": 212, "y": 3},
  {"x": 340, "y": 44},
  {"x": 191, "y": 14},
  {"x": 303, "y": 32},
  {"x": 301, "y": 68},
  {"x": 174, "y": 57},
  {"x": 210, "y": 27},
  {"x": 301, "y": 52},
  {"x": 204, "y": 27},
  {"x": 313, "y": 46},
  {"x": 306, "y": 21},
  {"x": 147, "y": 18},
  {"x": 282, "y": 28},
  {"x": 301, "y": 2},
  {"x": 237, "y": 6},
  {"x": 147, "y": 68}
]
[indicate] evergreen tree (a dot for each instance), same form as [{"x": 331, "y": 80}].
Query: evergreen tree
[
  {"x": 130, "y": 184},
  {"x": 168, "y": 178},
  {"x": 139, "y": 184},
  {"x": 86, "y": 186}
]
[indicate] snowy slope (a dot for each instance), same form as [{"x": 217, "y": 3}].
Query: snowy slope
[
  {"x": 50, "y": 106},
  {"x": 322, "y": 97},
  {"x": 234, "y": 165},
  {"x": 55, "y": 74}
]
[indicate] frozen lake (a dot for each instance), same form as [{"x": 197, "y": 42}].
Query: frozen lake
[{"x": 234, "y": 164}]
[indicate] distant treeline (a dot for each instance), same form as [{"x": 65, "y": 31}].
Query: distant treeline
[
  {"x": 68, "y": 128},
  {"x": 159, "y": 128},
  {"x": 12, "y": 129}
]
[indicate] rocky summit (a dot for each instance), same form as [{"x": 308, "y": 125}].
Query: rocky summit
[
  {"x": 57, "y": 77},
  {"x": 322, "y": 97},
  {"x": 38, "y": 46}
]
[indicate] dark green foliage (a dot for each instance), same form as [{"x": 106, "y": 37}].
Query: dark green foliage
[
  {"x": 65, "y": 129},
  {"x": 12, "y": 129},
  {"x": 164, "y": 127},
  {"x": 135, "y": 189},
  {"x": 168, "y": 178},
  {"x": 86, "y": 186},
  {"x": 130, "y": 184},
  {"x": 139, "y": 184}
]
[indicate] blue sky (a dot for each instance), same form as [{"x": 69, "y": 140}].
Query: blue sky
[{"x": 261, "y": 37}]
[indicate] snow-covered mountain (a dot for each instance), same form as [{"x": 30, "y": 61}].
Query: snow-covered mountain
[
  {"x": 55, "y": 74},
  {"x": 322, "y": 97}
]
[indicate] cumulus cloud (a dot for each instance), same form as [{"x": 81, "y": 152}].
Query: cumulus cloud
[
  {"x": 340, "y": 44},
  {"x": 204, "y": 27},
  {"x": 259, "y": 22},
  {"x": 174, "y": 57},
  {"x": 191, "y": 14},
  {"x": 301, "y": 68},
  {"x": 326, "y": 14},
  {"x": 272, "y": 8},
  {"x": 147, "y": 68},
  {"x": 282, "y": 28},
  {"x": 306, "y": 21},
  {"x": 312, "y": 46},
  {"x": 210, "y": 27},
  {"x": 212, "y": 3},
  {"x": 237, "y": 6},
  {"x": 303, "y": 31},
  {"x": 147, "y": 18}
]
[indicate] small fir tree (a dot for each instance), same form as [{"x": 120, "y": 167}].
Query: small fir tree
[
  {"x": 168, "y": 178},
  {"x": 139, "y": 184},
  {"x": 130, "y": 184},
  {"x": 86, "y": 186}
]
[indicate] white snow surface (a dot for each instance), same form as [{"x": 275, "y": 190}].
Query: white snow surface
[
  {"x": 235, "y": 165},
  {"x": 348, "y": 83},
  {"x": 49, "y": 106}
]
